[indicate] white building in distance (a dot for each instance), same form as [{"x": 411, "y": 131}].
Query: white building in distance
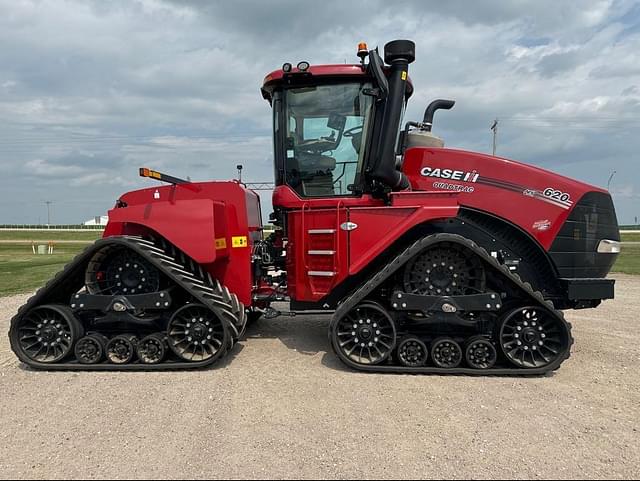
[{"x": 98, "y": 220}]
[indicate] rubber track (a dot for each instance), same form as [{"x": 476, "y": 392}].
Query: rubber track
[
  {"x": 397, "y": 263},
  {"x": 172, "y": 262}
]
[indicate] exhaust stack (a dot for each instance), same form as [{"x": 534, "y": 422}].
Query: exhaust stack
[{"x": 398, "y": 54}]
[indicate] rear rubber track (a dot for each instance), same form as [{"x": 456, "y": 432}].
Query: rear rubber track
[{"x": 177, "y": 266}]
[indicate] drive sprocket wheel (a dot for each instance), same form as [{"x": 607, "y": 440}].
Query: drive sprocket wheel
[
  {"x": 480, "y": 353},
  {"x": 122, "y": 272},
  {"x": 196, "y": 334},
  {"x": 446, "y": 353},
  {"x": 531, "y": 337},
  {"x": 445, "y": 269},
  {"x": 366, "y": 334},
  {"x": 151, "y": 349},
  {"x": 412, "y": 352},
  {"x": 47, "y": 333}
]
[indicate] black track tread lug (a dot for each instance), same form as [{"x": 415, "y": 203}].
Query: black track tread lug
[
  {"x": 220, "y": 301},
  {"x": 361, "y": 294}
]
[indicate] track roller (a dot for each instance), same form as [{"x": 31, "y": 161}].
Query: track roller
[
  {"x": 446, "y": 353},
  {"x": 91, "y": 349},
  {"x": 365, "y": 335},
  {"x": 480, "y": 353},
  {"x": 46, "y": 334},
  {"x": 196, "y": 334},
  {"x": 412, "y": 352},
  {"x": 121, "y": 349},
  {"x": 152, "y": 349}
]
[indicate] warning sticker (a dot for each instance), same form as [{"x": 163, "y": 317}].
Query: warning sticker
[
  {"x": 404, "y": 75},
  {"x": 239, "y": 241}
]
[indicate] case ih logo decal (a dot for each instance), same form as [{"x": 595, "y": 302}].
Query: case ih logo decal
[{"x": 450, "y": 174}]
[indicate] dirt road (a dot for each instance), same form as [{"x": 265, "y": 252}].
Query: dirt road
[{"x": 284, "y": 407}]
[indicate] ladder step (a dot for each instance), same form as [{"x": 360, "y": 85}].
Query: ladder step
[{"x": 321, "y": 273}]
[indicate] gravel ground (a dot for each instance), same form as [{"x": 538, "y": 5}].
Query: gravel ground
[{"x": 284, "y": 407}]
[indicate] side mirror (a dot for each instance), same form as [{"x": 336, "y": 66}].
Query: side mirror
[{"x": 375, "y": 66}]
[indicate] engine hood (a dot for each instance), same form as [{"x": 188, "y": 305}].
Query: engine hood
[{"x": 536, "y": 200}]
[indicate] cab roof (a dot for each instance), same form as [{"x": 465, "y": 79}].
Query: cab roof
[{"x": 326, "y": 72}]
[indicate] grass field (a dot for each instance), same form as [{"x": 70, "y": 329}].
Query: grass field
[
  {"x": 22, "y": 271},
  {"x": 43, "y": 235},
  {"x": 631, "y": 237}
]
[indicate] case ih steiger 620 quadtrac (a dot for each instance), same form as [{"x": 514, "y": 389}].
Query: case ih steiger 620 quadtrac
[{"x": 430, "y": 260}]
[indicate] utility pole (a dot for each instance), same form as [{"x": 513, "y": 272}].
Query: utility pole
[
  {"x": 494, "y": 127},
  {"x": 610, "y": 177},
  {"x": 48, "y": 202}
]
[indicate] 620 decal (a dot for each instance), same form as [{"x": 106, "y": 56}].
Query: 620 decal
[{"x": 558, "y": 195}]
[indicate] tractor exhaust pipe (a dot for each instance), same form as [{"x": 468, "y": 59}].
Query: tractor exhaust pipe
[
  {"x": 398, "y": 54},
  {"x": 439, "y": 104}
]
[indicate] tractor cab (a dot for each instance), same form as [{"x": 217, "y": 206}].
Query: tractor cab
[
  {"x": 333, "y": 124},
  {"x": 322, "y": 131}
]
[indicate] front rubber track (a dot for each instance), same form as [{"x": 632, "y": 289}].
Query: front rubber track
[
  {"x": 171, "y": 262},
  {"x": 536, "y": 298}
]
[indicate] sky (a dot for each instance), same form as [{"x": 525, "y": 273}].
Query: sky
[{"x": 92, "y": 90}]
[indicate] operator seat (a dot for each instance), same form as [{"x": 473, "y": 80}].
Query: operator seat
[{"x": 317, "y": 174}]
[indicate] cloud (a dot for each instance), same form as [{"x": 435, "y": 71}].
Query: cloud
[{"x": 90, "y": 91}]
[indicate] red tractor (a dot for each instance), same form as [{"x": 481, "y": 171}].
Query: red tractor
[{"x": 430, "y": 260}]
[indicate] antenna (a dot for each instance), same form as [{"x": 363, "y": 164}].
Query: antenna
[{"x": 494, "y": 127}]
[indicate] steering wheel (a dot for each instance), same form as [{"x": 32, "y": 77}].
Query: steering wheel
[{"x": 352, "y": 131}]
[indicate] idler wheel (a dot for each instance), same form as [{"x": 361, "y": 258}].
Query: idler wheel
[
  {"x": 480, "y": 353},
  {"x": 446, "y": 353},
  {"x": 91, "y": 349},
  {"x": 196, "y": 334},
  {"x": 121, "y": 349},
  {"x": 366, "y": 334},
  {"x": 412, "y": 352},
  {"x": 531, "y": 337},
  {"x": 46, "y": 334},
  {"x": 152, "y": 349}
]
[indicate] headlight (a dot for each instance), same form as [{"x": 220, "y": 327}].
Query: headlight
[{"x": 607, "y": 246}]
